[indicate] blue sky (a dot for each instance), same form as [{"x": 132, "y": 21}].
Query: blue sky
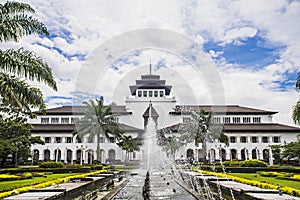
[{"x": 254, "y": 45}]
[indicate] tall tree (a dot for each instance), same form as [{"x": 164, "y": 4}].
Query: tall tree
[
  {"x": 292, "y": 150},
  {"x": 17, "y": 66},
  {"x": 200, "y": 130},
  {"x": 97, "y": 120},
  {"x": 15, "y": 136},
  {"x": 128, "y": 144},
  {"x": 296, "y": 107}
]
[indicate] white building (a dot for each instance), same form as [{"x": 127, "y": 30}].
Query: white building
[{"x": 250, "y": 131}]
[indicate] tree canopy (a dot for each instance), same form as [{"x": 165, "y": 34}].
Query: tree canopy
[
  {"x": 19, "y": 66},
  {"x": 97, "y": 120}
]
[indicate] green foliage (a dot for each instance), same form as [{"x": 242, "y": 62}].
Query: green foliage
[
  {"x": 296, "y": 107},
  {"x": 128, "y": 144},
  {"x": 51, "y": 164},
  {"x": 97, "y": 120},
  {"x": 291, "y": 150},
  {"x": 15, "y": 136},
  {"x": 10, "y": 185},
  {"x": 19, "y": 65},
  {"x": 231, "y": 163},
  {"x": 296, "y": 113},
  {"x": 253, "y": 163}
]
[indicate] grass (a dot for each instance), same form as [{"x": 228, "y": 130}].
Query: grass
[
  {"x": 272, "y": 180},
  {"x": 10, "y": 185}
]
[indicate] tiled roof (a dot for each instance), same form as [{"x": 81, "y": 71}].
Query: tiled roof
[
  {"x": 43, "y": 128},
  {"x": 76, "y": 110},
  {"x": 262, "y": 127},
  {"x": 228, "y": 109}
]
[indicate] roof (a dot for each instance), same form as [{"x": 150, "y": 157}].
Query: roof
[
  {"x": 68, "y": 128},
  {"x": 150, "y": 81},
  {"x": 221, "y": 109},
  {"x": 77, "y": 110},
  {"x": 262, "y": 127}
]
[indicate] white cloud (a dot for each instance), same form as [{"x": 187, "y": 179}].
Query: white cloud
[
  {"x": 238, "y": 34},
  {"x": 80, "y": 27}
]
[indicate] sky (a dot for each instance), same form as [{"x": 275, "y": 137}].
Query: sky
[{"x": 243, "y": 52}]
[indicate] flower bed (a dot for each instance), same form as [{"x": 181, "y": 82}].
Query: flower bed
[
  {"x": 285, "y": 189},
  {"x": 48, "y": 183}
]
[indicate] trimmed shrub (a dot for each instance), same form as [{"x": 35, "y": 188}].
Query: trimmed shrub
[
  {"x": 51, "y": 164},
  {"x": 231, "y": 163},
  {"x": 7, "y": 177},
  {"x": 253, "y": 163}
]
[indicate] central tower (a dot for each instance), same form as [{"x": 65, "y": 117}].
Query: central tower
[{"x": 148, "y": 91}]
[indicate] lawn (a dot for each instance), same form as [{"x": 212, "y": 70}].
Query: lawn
[
  {"x": 272, "y": 180},
  {"x": 10, "y": 185}
]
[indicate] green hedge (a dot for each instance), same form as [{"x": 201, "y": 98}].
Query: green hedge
[
  {"x": 253, "y": 163},
  {"x": 51, "y": 164}
]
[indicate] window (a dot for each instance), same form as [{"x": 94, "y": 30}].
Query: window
[
  {"x": 236, "y": 120},
  {"x": 47, "y": 139},
  {"x": 74, "y": 119},
  {"x": 57, "y": 139},
  {"x": 232, "y": 139},
  {"x": 254, "y": 139},
  {"x": 150, "y": 93},
  {"x": 186, "y": 119},
  {"x": 112, "y": 140},
  {"x": 246, "y": 120},
  {"x": 78, "y": 140},
  {"x": 216, "y": 120},
  {"x": 155, "y": 93},
  {"x": 101, "y": 140},
  {"x": 144, "y": 93},
  {"x": 161, "y": 93},
  {"x": 139, "y": 93},
  {"x": 276, "y": 139},
  {"x": 243, "y": 139},
  {"x": 90, "y": 139},
  {"x": 69, "y": 139},
  {"x": 256, "y": 119},
  {"x": 55, "y": 120},
  {"x": 265, "y": 139},
  {"x": 45, "y": 120},
  {"x": 226, "y": 120},
  {"x": 65, "y": 120}
]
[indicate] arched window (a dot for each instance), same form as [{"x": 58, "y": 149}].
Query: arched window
[
  {"x": 69, "y": 156},
  {"x": 266, "y": 155},
  {"x": 111, "y": 155},
  {"x": 254, "y": 153},
  {"x": 189, "y": 153},
  {"x": 233, "y": 154},
  {"x": 223, "y": 154},
  {"x": 46, "y": 155},
  {"x": 57, "y": 155},
  {"x": 36, "y": 155}
]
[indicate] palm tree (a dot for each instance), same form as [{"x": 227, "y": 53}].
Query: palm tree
[
  {"x": 296, "y": 107},
  {"x": 172, "y": 145},
  {"x": 199, "y": 130},
  {"x": 127, "y": 143},
  {"x": 17, "y": 66},
  {"x": 97, "y": 120}
]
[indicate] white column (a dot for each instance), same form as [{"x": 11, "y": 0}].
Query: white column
[{"x": 270, "y": 156}]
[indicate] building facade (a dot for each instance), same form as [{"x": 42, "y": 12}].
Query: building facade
[{"x": 251, "y": 131}]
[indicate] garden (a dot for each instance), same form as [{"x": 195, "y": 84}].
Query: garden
[
  {"x": 257, "y": 173},
  {"x": 19, "y": 180}
]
